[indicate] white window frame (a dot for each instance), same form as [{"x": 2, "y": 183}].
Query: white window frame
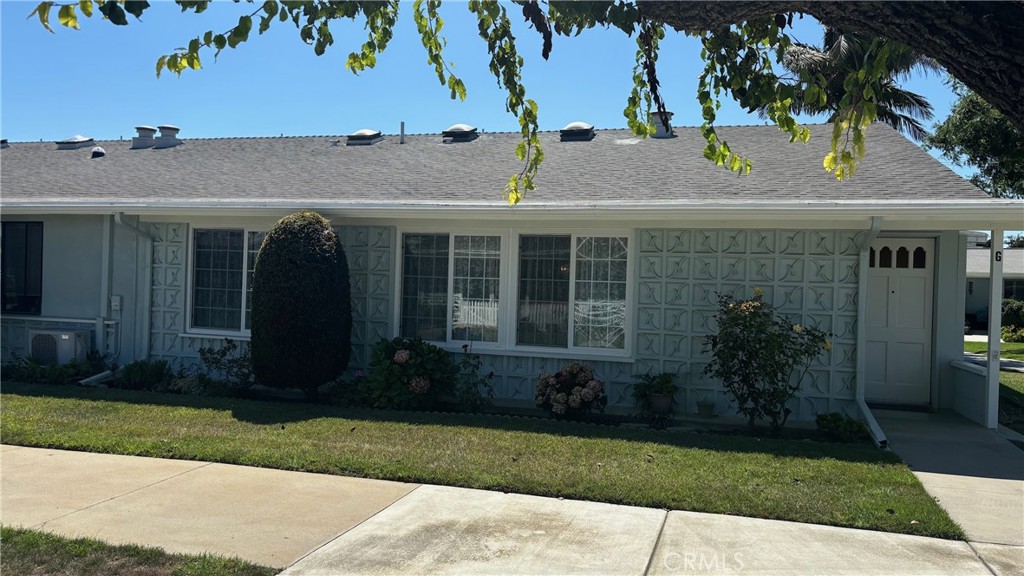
[
  {"x": 243, "y": 332},
  {"x": 509, "y": 290}
]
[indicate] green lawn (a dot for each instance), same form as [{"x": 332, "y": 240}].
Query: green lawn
[
  {"x": 33, "y": 553},
  {"x": 801, "y": 480},
  {"x": 1011, "y": 400},
  {"x": 1011, "y": 350}
]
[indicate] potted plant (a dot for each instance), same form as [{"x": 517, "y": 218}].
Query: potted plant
[
  {"x": 706, "y": 407},
  {"x": 654, "y": 393}
]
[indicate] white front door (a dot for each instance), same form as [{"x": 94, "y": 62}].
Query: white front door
[{"x": 899, "y": 320}]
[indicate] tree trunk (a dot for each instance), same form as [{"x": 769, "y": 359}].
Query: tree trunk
[{"x": 979, "y": 43}]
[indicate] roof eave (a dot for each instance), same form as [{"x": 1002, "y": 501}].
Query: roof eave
[{"x": 984, "y": 214}]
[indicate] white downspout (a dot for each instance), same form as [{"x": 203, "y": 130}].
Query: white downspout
[
  {"x": 862, "y": 303},
  {"x": 105, "y": 264},
  {"x": 147, "y": 271},
  {"x": 995, "y": 325}
]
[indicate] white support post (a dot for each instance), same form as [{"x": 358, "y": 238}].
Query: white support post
[{"x": 995, "y": 324}]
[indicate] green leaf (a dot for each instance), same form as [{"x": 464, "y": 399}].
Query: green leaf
[
  {"x": 830, "y": 161},
  {"x": 521, "y": 150},
  {"x": 43, "y": 10},
  {"x": 112, "y": 11},
  {"x": 220, "y": 42},
  {"x": 136, "y": 7},
  {"x": 160, "y": 63},
  {"x": 86, "y": 7},
  {"x": 66, "y": 16}
]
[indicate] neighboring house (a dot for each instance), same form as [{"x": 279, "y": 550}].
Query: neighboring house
[
  {"x": 615, "y": 260},
  {"x": 978, "y": 286}
]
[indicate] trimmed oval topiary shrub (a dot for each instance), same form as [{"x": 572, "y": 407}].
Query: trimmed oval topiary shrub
[{"x": 301, "y": 308}]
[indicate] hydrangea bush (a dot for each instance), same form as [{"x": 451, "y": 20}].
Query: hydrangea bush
[
  {"x": 761, "y": 357},
  {"x": 571, "y": 392},
  {"x": 408, "y": 373}
]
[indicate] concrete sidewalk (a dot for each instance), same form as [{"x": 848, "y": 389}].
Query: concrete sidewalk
[{"x": 318, "y": 524}]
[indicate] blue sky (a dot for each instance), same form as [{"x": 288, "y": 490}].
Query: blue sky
[{"x": 100, "y": 81}]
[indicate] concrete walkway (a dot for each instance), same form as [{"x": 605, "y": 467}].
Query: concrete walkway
[
  {"x": 976, "y": 474},
  {"x": 332, "y": 525}
]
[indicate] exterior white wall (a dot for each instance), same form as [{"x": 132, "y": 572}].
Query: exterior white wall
[
  {"x": 949, "y": 294},
  {"x": 73, "y": 249}
]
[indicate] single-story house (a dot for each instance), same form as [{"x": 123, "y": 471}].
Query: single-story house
[
  {"x": 146, "y": 246},
  {"x": 978, "y": 285}
]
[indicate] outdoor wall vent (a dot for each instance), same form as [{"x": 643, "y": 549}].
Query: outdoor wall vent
[
  {"x": 74, "y": 143},
  {"x": 4, "y": 144},
  {"x": 98, "y": 152},
  {"x": 663, "y": 127},
  {"x": 145, "y": 137},
  {"x": 576, "y": 132},
  {"x": 459, "y": 133},
  {"x": 168, "y": 137},
  {"x": 364, "y": 137}
]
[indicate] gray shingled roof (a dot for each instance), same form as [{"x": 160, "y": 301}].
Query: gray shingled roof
[
  {"x": 977, "y": 262},
  {"x": 613, "y": 168}
]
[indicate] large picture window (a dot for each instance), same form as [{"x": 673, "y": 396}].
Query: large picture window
[
  {"x": 558, "y": 291},
  {"x": 222, "y": 265},
  {"x": 22, "y": 267},
  {"x": 450, "y": 287}
]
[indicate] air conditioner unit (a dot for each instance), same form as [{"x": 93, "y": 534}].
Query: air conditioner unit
[{"x": 58, "y": 346}]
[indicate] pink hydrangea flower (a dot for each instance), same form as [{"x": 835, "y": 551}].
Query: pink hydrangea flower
[
  {"x": 401, "y": 357},
  {"x": 419, "y": 386}
]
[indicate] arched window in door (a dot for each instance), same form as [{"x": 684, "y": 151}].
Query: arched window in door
[
  {"x": 920, "y": 257},
  {"x": 885, "y": 257},
  {"x": 902, "y": 258}
]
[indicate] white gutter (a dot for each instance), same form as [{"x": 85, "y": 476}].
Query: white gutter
[
  {"x": 862, "y": 303},
  {"x": 147, "y": 274}
]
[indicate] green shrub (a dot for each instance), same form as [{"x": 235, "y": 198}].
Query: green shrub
[
  {"x": 301, "y": 308},
  {"x": 1011, "y": 334},
  {"x": 760, "y": 356},
  {"x": 473, "y": 390},
  {"x": 32, "y": 372},
  {"x": 230, "y": 363},
  {"x": 408, "y": 374},
  {"x": 571, "y": 392},
  {"x": 841, "y": 428},
  {"x": 143, "y": 375},
  {"x": 1013, "y": 315}
]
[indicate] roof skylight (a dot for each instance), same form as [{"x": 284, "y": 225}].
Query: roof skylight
[
  {"x": 577, "y": 132},
  {"x": 364, "y": 137}
]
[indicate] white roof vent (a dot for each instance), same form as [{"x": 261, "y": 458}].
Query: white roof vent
[
  {"x": 364, "y": 137},
  {"x": 663, "y": 129},
  {"x": 98, "y": 152},
  {"x": 576, "y": 132},
  {"x": 168, "y": 137},
  {"x": 74, "y": 143},
  {"x": 168, "y": 130},
  {"x": 145, "y": 138},
  {"x": 459, "y": 133}
]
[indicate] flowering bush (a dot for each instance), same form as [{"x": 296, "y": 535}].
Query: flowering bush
[
  {"x": 570, "y": 392},
  {"x": 407, "y": 373},
  {"x": 760, "y": 356},
  {"x": 473, "y": 390}
]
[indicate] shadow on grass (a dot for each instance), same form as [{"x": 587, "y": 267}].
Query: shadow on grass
[{"x": 266, "y": 412}]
